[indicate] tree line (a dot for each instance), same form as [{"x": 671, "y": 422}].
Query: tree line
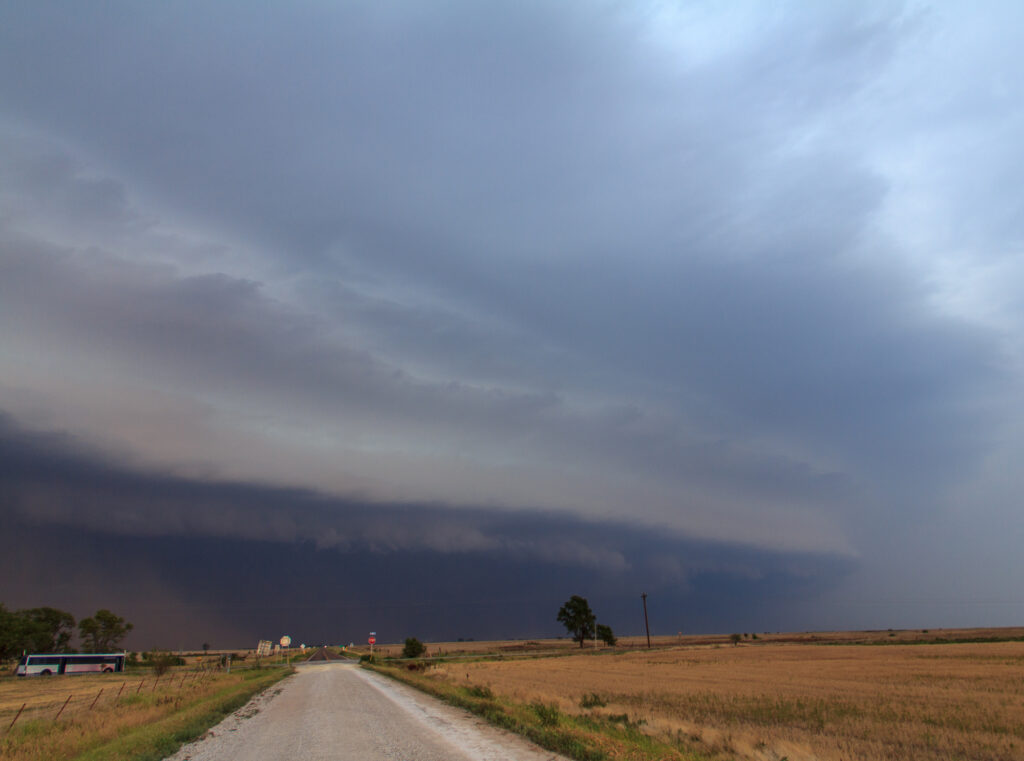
[{"x": 49, "y": 630}]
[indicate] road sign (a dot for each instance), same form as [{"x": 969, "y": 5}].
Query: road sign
[
  {"x": 285, "y": 641},
  {"x": 372, "y": 640}
]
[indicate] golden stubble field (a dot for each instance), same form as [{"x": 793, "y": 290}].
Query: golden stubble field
[
  {"x": 66, "y": 716},
  {"x": 769, "y": 701}
]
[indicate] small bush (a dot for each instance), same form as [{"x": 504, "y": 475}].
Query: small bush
[
  {"x": 161, "y": 662},
  {"x": 548, "y": 714},
  {"x": 413, "y": 648},
  {"x": 593, "y": 700},
  {"x": 478, "y": 691}
]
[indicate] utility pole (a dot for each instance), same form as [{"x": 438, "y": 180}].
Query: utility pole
[{"x": 647, "y": 626}]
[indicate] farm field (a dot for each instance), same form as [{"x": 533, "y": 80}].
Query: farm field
[
  {"x": 120, "y": 715},
  {"x": 564, "y": 645},
  {"x": 797, "y": 700}
]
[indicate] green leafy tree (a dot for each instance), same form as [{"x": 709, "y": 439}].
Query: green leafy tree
[
  {"x": 577, "y": 618},
  {"x": 605, "y": 634},
  {"x": 47, "y": 630},
  {"x": 413, "y": 648},
  {"x": 12, "y": 633},
  {"x": 37, "y": 630},
  {"x": 103, "y": 632}
]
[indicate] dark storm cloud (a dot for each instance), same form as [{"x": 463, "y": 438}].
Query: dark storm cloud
[
  {"x": 228, "y": 335},
  {"x": 746, "y": 274},
  {"x": 171, "y": 546},
  {"x": 789, "y": 344},
  {"x": 52, "y": 479}
]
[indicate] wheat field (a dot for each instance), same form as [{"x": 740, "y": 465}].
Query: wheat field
[{"x": 770, "y": 701}]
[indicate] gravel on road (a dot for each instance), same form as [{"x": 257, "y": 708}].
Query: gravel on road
[{"x": 336, "y": 712}]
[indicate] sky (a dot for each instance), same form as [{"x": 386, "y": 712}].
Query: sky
[{"x": 322, "y": 318}]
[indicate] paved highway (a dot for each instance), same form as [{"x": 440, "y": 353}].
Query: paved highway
[
  {"x": 323, "y": 654},
  {"x": 337, "y": 711}
]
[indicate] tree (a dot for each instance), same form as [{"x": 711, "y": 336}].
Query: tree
[
  {"x": 37, "y": 630},
  {"x": 605, "y": 634},
  {"x": 47, "y": 630},
  {"x": 12, "y": 635},
  {"x": 413, "y": 648},
  {"x": 735, "y": 638},
  {"x": 103, "y": 632},
  {"x": 577, "y": 618}
]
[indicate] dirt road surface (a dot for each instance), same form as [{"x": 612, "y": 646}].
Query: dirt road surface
[{"x": 336, "y": 712}]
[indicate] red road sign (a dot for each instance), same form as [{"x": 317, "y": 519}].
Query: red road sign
[{"x": 372, "y": 640}]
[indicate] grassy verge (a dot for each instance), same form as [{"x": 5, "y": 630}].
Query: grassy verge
[
  {"x": 138, "y": 727},
  {"x": 594, "y": 737}
]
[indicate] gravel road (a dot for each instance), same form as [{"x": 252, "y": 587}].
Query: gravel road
[{"x": 338, "y": 711}]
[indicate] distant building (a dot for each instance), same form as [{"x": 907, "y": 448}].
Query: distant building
[{"x": 264, "y": 647}]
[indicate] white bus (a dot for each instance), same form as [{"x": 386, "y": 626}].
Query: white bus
[{"x": 45, "y": 664}]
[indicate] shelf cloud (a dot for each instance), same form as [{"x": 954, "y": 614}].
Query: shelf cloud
[{"x": 652, "y": 292}]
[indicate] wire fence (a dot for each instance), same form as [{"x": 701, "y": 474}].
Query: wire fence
[{"x": 75, "y": 696}]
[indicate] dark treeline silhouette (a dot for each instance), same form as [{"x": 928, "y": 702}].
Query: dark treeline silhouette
[{"x": 49, "y": 630}]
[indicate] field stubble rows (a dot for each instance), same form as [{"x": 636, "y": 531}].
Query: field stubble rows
[
  {"x": 801, "y": 702},
  {"x": 116, "y": 715}
]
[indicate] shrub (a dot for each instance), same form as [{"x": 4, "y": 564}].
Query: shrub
[
  {"x": 593, "y": 700},
  {"x": 161, "y": 662},
  {"x": 413, "y": 648},
  {"x": 478, "y": 691},
  {"x": 547, "y": 713}
]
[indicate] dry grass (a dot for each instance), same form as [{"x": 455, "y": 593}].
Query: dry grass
[
  {"x": 774, "y": 700},
  {"x": 111, "y": 708},
  {"x": 565, "y": 646}
]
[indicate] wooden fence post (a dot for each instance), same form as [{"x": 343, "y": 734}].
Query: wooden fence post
[
  {"x": 96, "y": 698},
  {"x": 62, "y": 708},
  {"x": 139, "y": 688},
  {"x": 122, "y": 687},
  {"x": 16, "y": 716}
]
